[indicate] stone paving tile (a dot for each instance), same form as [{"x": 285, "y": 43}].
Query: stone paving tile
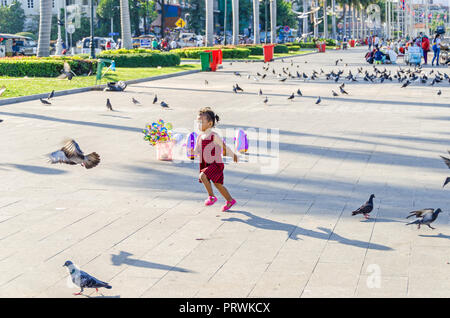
[{"x": 141, "y": 225}]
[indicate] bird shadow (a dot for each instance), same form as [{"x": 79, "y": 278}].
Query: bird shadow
[
  {"x": 35, "y": 169},
  {"x": 294, "y": 231},
  {"x": 380, "y": 220},
  {"x": 123, "y": 258},
  {"x": 440, "y": 235}
]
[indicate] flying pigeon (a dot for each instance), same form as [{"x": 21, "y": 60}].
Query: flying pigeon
[
  {"x": 366, "y": 208},
  {"x": 427, "y": 216},
  {"x": 51, "y": 94},
  {"x": 66, "y": 73},
  {"x": 43, "y": 101},
  {"x": 2, "y": 90},
  {"x": 155, "y": 99},
  {"x": 164, "y": 104},
  {"x": 108, "y": 104},
  {"x": 318, "y": 100},
  {"x": 135, "y": 101},
  {"x": 83, "y": 279},
  {"x": 71, "y": 154},
  {"x": 334, "y": 93}
]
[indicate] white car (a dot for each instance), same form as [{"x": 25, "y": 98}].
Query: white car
[{"x": 190, "y": 39}]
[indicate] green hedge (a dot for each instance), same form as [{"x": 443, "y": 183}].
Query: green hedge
[
  {"x": 280, "y": 48},
  {"x": 256, "y": 50},
  {"x": 147, "y": 59},
  {"x": 236, "y": 53},
  {"x": 44, "y": 66},
  {"x": 294, "y": 48}
]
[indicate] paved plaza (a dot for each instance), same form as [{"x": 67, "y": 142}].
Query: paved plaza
[{"x": 141, "y": 225}]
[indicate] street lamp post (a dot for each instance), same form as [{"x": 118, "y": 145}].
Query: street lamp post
[
  {"x": 91, "y": 44},
  {"x": 225, "y": 24},
  {"x": 265, "y": 21}
]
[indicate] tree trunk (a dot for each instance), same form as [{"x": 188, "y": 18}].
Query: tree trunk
[
  {"x": 305, "y": 20},
  {"x": 235, "y": 8},
  {"x": 273, "y": 21},
  {"x": 256, "y": 39},
  {"x": 125, "y": 24},
  {"x": 45, "y": 26},
  {"x": 209, "y": 22}
]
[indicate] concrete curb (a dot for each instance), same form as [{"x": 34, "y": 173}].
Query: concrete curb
[{"x": 20, "y": 99}]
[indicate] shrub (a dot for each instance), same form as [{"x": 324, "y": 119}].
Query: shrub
[
  {"x": 294, "y": 48},
  {"x": 280, "y": 48},
  {"x": 144, "y": 59},
  {"x": 227, "y": 53},
  {"x": 308, "y": 45},
  {"x": 256, "y": 50},
  {"x": 44, "y": 66}
]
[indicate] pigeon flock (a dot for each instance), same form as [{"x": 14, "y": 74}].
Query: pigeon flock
[{"x": 72, "y": 154}]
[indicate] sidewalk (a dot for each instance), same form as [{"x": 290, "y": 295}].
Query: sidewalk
[{"x": 140, "y": 224}]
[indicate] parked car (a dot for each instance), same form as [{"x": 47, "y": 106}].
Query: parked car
[
  {"x": 99, "y": 44},
  {"x": 189, "y": 39}
]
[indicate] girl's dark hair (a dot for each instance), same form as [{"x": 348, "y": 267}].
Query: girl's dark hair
[{"x": 212, "y": 117}]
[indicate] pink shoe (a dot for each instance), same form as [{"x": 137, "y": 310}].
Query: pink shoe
[
  {"x": 211, "y": 200},
  {"x": 228, "y": 205}
]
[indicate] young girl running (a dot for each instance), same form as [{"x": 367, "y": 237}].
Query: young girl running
[{"x": 210, "y": 147}]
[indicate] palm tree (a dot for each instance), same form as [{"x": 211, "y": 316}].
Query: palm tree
[
  {"x": 125, "y": 24},
  {"x": 235, "y": 8},
  {"x": 209, "y": 22},
  {"x": 45, "y": 21},
  {"x": 325, "y": 19},
  {"x": 256, "y": 39}
]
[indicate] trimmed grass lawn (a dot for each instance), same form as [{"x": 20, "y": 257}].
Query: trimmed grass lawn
[{"x": 20, "y": 86}]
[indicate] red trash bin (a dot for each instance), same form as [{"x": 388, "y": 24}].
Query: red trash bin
[
  {"x": 216, "y": 59},
  {"x": 321, "y": 47},
  {"x": 268, "y": 52},
  {"x": 352, "y": 43}
]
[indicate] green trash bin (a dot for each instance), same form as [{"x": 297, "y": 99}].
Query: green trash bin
[{"x": 205, "y": 59}]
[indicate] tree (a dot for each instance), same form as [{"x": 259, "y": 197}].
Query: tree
[
  {"x": 12, "y": 18},
  {"x": 125, "y": 24},
  {"x": 45, "y": 21}
]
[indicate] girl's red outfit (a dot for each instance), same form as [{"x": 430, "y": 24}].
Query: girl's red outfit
[{"x": 211, "y": 163}]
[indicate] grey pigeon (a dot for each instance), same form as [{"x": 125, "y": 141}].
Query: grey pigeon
[
  {"x": 71, "y": 154},
  {"x": 135, "y": 101},
  {"x": 164, "y": 104},
  {"x": 50, "y": 96},
  {"x": 439, "y": 92},
  {"x": 299, "y": 93},
  {"x": 334, "y": 93},
  {"x": 206, "y": 82},
  {"x": 237, "y": 73},
  {"x": 292, "y": 97},
  {"x": 342, "y": 90},
  {"x": 2, "y": 90},
  {"x": 155, "y": 99},
  {"x": 108, "y": 104},
  {"x": 83, "y": 279},
  {"x": 366, "y": 208},
  {"x": 266, "y": 100},
  {"x": 43, "y": 101},
  {"x": 426, "y": 216},
  {"x": 260, "y": 92},
  {"x": 447, "y": 162},
  {"x": 238, "y": 88},
  {"x": 318, "y": 100},
  {"x": 66, "y": 73}
]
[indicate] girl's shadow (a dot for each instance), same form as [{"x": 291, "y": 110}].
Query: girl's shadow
[{"x": 293, "y": 231}]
